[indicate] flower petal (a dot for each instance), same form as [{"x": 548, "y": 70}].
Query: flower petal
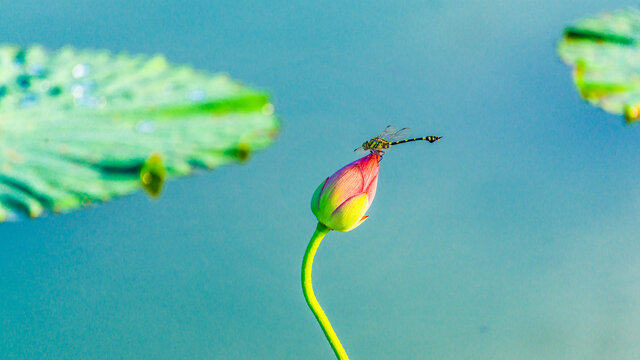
[
  {"x": 360, "y": 222},
  {"x": 348, "y": 215},
  {"x": 315, "y": 199},
  {"x": 341, "y": 186},
  {"x": 371, "y": 190},
  {"x": 369, "y": 165}
]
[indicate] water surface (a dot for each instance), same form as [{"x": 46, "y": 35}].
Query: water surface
[{"x": 515, "y": 237}]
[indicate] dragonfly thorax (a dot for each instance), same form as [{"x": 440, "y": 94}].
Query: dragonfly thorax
[{"x": 376, "y": 144}]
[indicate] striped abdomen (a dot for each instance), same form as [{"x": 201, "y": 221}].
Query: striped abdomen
[{"x": 430, "y": 139}]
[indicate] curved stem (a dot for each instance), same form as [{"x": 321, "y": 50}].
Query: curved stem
[{"x": 307, "y": 289}]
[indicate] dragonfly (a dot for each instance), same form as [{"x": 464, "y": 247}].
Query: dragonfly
[{"x": 389, "y": 137}]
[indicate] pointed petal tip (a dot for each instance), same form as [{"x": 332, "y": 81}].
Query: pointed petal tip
[{"x": 362, "y": 219}]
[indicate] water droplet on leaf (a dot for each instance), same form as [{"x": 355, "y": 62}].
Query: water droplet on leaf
[
  {"x": 145, "y": 127},
  {"x": 196, "y": 95},
  {"x": 80, "y": 71},
  {"x": 28, "y": 100},
  {"x": 37, "y": 70},
  {"x": 267, "y": 109}
]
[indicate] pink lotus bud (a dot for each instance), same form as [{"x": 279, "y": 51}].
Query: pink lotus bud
[{"x": 342, "y": 199}]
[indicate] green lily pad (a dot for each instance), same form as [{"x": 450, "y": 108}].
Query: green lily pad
[
  {"x": 83, "y": 126},
  {"x": 605, "y": 54}
]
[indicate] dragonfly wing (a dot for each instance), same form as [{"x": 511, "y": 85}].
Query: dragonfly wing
[
  {"x": 399, "y": 135},
  {"x": 389, "y": 130},
  {"x": 360, "y": 150}
]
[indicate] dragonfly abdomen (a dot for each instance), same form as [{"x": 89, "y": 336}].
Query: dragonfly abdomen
[{"x": 430, "y": 139}]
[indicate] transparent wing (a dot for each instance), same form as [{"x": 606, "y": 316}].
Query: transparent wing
[
  {"x": 360, "y": 150},
  {"x": 398, "y": 135},
  {"x": 389, "y": 130}
]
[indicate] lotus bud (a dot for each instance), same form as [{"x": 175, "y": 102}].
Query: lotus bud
[{"x": 341, "y": 201}]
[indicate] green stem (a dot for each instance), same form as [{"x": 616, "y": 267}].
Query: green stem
[{"x": 307, "y": 289}]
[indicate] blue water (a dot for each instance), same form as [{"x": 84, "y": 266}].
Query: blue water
[{"x": 514, "y": 237}]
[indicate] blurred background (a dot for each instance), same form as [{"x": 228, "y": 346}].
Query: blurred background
[{"x": 514, "y": 237}]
